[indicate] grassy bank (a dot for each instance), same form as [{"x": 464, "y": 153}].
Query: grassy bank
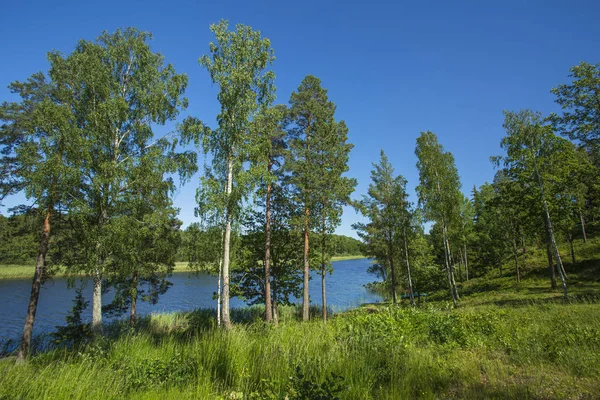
[
  {"x": 531, "y": 352},
  {"x": 26, "y": 271}
]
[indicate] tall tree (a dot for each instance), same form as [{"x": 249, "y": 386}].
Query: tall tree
[
  {"x": 269, "y": 127},
  {"x": 238, "y": 63},
  {"x": 386, "y": 207},
  {"x": 38, "y": 142},
  {"x": 439, "y": 193},
  {"x": 331, "y": 150},
  {"x": 310, "y": 113},
  {"x": 119, "y": 91}
]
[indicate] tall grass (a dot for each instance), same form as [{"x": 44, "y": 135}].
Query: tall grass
[{"x": 536, "y": 351}]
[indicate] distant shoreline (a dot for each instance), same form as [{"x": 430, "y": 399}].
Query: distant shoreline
[{"x": 11, "y": 271}]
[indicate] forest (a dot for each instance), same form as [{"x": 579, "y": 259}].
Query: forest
[{"x": 489, "y": 294}]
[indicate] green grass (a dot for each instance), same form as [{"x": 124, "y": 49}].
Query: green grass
[
  {"x": 541, "y": 351},
  {"x": 26, "y": 271},
  {"x": 504, "y": 341}
]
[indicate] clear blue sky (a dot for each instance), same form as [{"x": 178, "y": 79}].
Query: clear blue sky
[{"x": 393, "y": 68}]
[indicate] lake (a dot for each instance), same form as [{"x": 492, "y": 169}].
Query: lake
[{"x": 189, "y": 291}]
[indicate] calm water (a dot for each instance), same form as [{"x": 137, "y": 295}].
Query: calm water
[{"x": 344, "y": 290}]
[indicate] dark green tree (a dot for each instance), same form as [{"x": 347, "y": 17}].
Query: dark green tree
[{"x": 310, "y": 114}]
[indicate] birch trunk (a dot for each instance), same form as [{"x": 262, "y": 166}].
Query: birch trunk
[
  {"x": 583, "y": 227},
  {"x": 410, "y": 285},
  {"x": 226, "y": 246},
  {"x": 97, "y": 304},
  {"x": 559, "y": 264}
]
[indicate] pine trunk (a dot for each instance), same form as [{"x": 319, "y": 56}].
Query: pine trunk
[
  {"x": 393, "y": 271},
  {"x": 35, "y": 289},
  {"x": 305, "y": 298},
  {"x": 267, "y": 294},
  {"x": 323, "y": 289},
  {"x": 134, "y": 295}
]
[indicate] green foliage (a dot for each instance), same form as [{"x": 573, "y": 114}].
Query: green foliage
[{"x": 75, "y": 332}]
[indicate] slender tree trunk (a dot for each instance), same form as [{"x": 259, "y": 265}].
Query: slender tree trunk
[
  {"x": 447, "y": 261},
  {"x": 515, "y": 251},
  {"x": 97, "y": 304},
  {"x": 323, "y": 289},
  {"x": 571, "y": 246},
  {"x": 274, "y": 305},
  {"x": 134, "y": 295},
  {"x": 305, "y": 298},
  {"x": 219, "y": 292},
  {"x": 35, "y": 289},
  {"x": 227, "y": 247},
  {"x": 583, "y": 227},
  {"x": 268, "y": 310},
  {"x": 393, "y": 271},
  {"x": 408, "y": 277},
  {"x": 559, "y": 264},
  {"x": 550, "y": 264},
  {"x": 466, "y": 261}
]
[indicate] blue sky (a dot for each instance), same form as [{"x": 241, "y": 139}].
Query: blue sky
[{"x": 393, "y": 68}]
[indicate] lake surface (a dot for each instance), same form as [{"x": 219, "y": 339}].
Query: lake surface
[{"x": 189, "y": 291}]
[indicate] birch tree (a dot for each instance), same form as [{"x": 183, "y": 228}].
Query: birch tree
[
  {"x": 238, "y": 64},
  {"x": 439, "y": 193}
]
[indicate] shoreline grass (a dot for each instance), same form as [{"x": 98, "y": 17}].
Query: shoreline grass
[
  {"x": 531, "y": 352},
  {"x": 20, "y": 271}
]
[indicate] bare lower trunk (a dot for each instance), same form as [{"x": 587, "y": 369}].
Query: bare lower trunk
[
  {"x": 323, "y": 293},
  {"x": 559, "y": 264},
  {"x": 226, "y": 249},
  {"x": 305, "y": 298},
  {"x": 550, "y": 265},
  {"x": 219, "y": 294},
  {"x": 515, "y": 251},
  {"x": 466, "y": 262},
  {"x": 267, "y": 294},
  {"x": 134, "y": 295},
  {"x": 323, "y": 288},
  {"x": 274, "y": 305},
  {"x": 408, "y": 278},
  {"x": 393, "y": 271},
  {"x": 449, "y": 274},
  {"x": 35, "y": 289},
  {"x": 583, "y": 227},
  {"x": 97, "y": 304},
  {"x": 572, "y": 249}
]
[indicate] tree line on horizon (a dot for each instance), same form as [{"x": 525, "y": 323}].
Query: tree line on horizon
[{"x": 80, "y": 143}]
